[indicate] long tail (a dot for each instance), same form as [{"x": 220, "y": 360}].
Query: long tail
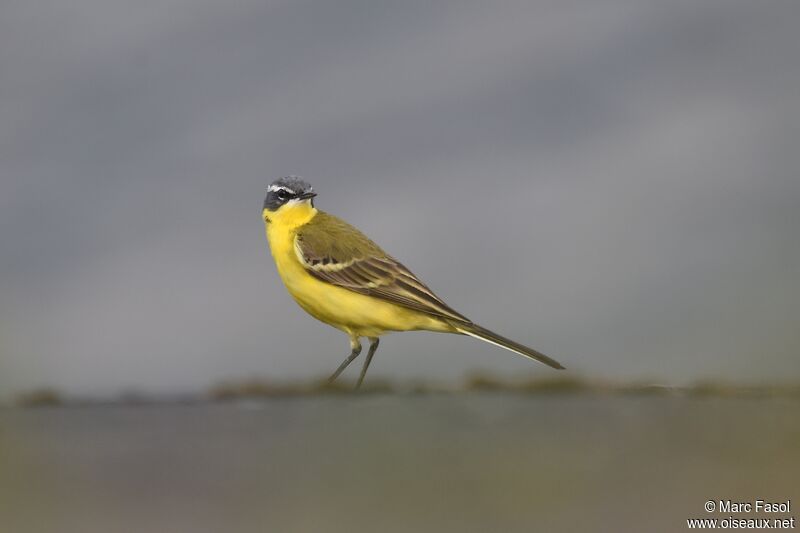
[{"x": 474, "y": 330}]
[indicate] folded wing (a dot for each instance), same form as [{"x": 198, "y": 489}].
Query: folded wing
[{"x": 335, "y": 252}]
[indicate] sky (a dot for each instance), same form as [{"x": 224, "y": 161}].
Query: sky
[{"x": 614, "y": 183}]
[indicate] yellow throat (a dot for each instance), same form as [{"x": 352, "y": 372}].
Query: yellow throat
[{"x": 289, "y": 216}]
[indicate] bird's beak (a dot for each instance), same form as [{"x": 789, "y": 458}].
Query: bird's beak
[{"x": 307, "y": 195}]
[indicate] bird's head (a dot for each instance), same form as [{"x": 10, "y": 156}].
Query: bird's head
[{"x": 289, "y": 198}]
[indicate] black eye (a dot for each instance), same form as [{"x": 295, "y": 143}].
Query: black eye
[{"x": 283, "y": 195}]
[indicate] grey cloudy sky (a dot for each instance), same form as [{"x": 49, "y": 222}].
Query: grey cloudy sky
[{"x": 614, "y": 183}]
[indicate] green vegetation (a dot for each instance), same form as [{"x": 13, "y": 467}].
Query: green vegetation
[
  {"x": 45, "y": 397},
  {"x": 476, "y": 383}
]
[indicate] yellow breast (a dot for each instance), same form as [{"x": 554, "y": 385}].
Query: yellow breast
[{"x": 354, "y": 313}]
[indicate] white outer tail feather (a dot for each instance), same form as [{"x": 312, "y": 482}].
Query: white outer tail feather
[{"x": 534, "y": 355}]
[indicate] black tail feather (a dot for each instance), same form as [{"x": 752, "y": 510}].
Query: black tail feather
[{"x": 474, "y": 330}]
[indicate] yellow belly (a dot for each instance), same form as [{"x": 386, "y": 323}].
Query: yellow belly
[{"x": 354, "y": 313}]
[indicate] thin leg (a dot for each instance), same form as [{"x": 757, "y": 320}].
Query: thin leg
[
  {"x": 356, "y": 346},
  {"x": 373, "y": 346}
]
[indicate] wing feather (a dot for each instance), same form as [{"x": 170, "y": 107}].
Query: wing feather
[{"x": 335, "y": 252}]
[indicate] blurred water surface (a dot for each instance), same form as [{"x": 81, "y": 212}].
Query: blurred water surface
[{"x": 483, "y": 462}]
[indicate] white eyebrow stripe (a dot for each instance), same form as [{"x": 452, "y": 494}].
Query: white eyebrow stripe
[{"x": 274, "y": 188}]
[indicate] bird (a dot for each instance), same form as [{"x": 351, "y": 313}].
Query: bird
[{"x": 340, "y": 277}]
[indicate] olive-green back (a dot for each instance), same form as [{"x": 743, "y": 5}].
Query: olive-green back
[{"x": 336, "y": 252}]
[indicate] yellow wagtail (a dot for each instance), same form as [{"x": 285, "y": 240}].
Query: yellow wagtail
[{"x": 344, "y": 279}]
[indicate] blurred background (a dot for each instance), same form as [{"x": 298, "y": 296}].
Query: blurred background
[{"x": 614, "y": 183}]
